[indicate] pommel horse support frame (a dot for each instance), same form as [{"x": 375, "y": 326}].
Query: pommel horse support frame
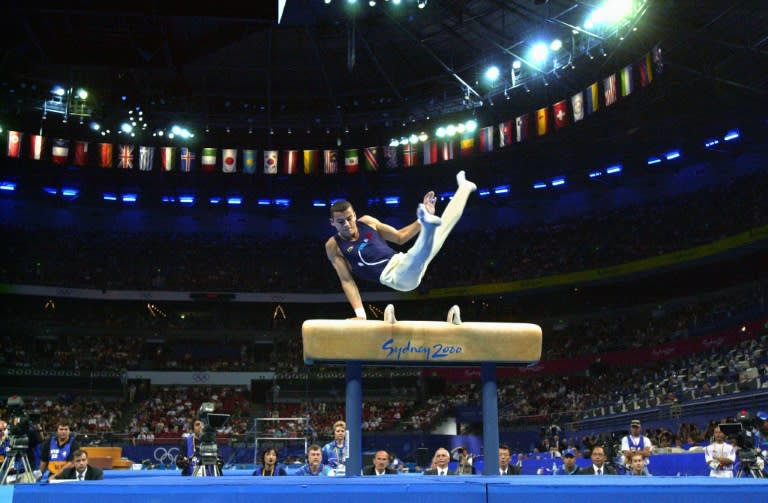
[{"x": 420, "y": 343}]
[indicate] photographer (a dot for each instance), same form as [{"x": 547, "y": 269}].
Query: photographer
[
  {"x": 57, "y": 453},
  {"x": 195, "y": 454},
  {"x": 189, "y": 449},
  {"x": 720, "y": 456}
]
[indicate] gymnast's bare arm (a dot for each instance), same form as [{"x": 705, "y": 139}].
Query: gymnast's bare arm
[{"x": 341, "y": 266}]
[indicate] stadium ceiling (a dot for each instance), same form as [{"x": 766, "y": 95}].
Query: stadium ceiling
[{"x": 324, "y": 68}]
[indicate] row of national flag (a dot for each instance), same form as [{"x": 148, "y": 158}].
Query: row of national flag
[{"x": 600, "y": 94}]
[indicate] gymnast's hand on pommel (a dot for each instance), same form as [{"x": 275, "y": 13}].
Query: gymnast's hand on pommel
[{"x": 429, "y": 202}]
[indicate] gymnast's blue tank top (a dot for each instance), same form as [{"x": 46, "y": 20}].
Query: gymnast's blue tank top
[{"x": 368, "y": 255}]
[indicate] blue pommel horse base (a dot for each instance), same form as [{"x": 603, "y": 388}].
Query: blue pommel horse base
[{"x": 420, "y": 343}]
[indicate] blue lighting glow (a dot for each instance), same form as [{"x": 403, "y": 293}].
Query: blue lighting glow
[
  {"x": 130, "y": 198},
  {"x": 446, "y": 195},
  {"x": 653, "y": 160},
  {"x": 539, "y": 185},
  {"x": 50, "y": 190},
  {"x": 7, "y": 186},
  {"x": 556, "y": 182},
  {"x": 711, "y": 143},
  {"x": 214, "y": 200},
  {"x": 392, "y": 200},
  {"x": 318, "y": 203},
  {"x": 108, "y": 196},
  {"x": 69, "y": 192},
  {"x": 501, "y": 189},
  {"x": 282, "y": 202},
  {"x": 731, "y": 135},
  {"x": 596, "y": 174},
  {"x": 263, "y": 202},
  {"x": 483, "y": 192},
  {"x": 613, "y": 169},
  {"x": 235, "y": 201},
  {"x": 187, "y": 199},
  {"x": 674, "y": 154}
]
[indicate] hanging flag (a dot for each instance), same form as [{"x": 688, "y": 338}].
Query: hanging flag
[
  {"x": 560, "y": 112},
  {"x": 331, "y": 163},
  {"x": 249, "y": 161},
  {"x": 646, "y": 70},
  {"x": 105, "y": 155},
  {"x": 208, "y": 160},
  {"x": 486, "y": 139},
  {"x": 446, "y": 150},
  {"x": 521, "y": 128},
  {"x": 390, "y": 157},
  {"x": 609, "y": 89},
  {"x": 229, "y": 160},
  {"x": 505, "y": 134},
  {"x": 370, "y": 160},
  {"x": 125, "y": 159},
  {"x": 410, "y": 155},
  {"x": 168, "y": 158},
  {"x": 311, "y": 162},
  {"x": 430, "y": 152},
  {"x": 577, "y": 105},
  {"x": 187, "y": 160},
  {"x": 146, "y": 157},
  {"x": 542, "y": 121},
  {"x": 290, "y": 164},
  {"x": 351, "y": 160},
  {"x": 36, "y": 146},
  {"x": 14, "y": 144},
  {"x": 591, "y": 104},
  {"x": 60, "y": 151},
  {"x": 626, "y": 81},
  {"x": 467, "y": 145},
  {"x": 658, "y": 60},
  {"x": 270, "y": 162},
  {"x": 81, "y": 153}
]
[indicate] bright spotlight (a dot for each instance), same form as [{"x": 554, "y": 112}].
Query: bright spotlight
[
  {"x": 539, "y": 53},
  {"x": 471, "y": 126},
  {"x": 492, "y": 73},
  {"x": 413, "y": 139},
  {"x": 440, "y": 132},
  {"x": 450, "y": 130},
  {"x": 556, "y": 44},
  {"x": 126, "y": 128},
  {"x": 422, "y": 4},
  {"x": 516, "y": 64},
  {"x": 58, "y": 91}
]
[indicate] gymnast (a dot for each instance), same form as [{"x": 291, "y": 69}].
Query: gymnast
[{"x": 359, "y": 247}]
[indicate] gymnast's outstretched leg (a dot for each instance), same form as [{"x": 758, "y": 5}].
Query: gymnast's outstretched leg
[{"x": 405, "y": 270}]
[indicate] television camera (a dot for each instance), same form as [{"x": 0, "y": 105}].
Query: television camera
[
  {"x": 744, "y": 433},
  {"x": 23, "y": 436},
  {"x": 206, "y": 461}
]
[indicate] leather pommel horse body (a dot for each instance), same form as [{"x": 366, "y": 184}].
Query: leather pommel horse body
[{"x": 420, "y": 343}]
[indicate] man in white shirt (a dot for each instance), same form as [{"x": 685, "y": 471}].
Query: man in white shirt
[
  {"x": 636, "y": 442},
  {"x": 380, "y": 465},
  {"x": 720, "y": 456},
  {"x": 441, "y": 460}
]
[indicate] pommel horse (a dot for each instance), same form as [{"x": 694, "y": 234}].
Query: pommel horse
[{"x": 420, "y": 343}]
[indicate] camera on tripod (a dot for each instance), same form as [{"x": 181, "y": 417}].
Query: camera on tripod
[
  {"x": 210, "y": 462},
  {"x": 23, "y": 434},
  {"x": 751, "y": 462}
]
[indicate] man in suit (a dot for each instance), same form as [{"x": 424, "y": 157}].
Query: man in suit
[
  {"x": 380, "y": 465},
  {"x": 598, "y": 464},
  {"x": 441, "y": 459},
  {"x": 505, "y": 456},
  {"x": 81, "y": 470}
]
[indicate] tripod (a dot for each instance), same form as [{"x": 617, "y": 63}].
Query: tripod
[
  {"x": 748, "y": 464},
  {"x": 207, "y": 470},
  {"x": 9, "y": 464},
  {"x": 750, "y": 471}
]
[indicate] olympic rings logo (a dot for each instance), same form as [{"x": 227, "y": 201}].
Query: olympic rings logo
[{"x": 166, "y": 456}]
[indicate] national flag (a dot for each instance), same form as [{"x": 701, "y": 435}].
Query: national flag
[
  {"x": 249, "y": 161},
  {"x": 658, "y": 59},
  {"x": 14, "y": 144},
  {"x": 146, "y": 158},
  {"x": 560, "y": 112},
  {"x": 486, "y": 139},
  {"x": 577, "y": 105},
  {"x": 187, "y": 160},
  {"x": 60, "y": 151},
  {"x": 609, "y": 89},
  {"x": 467, "y": 146},
  {"x": 351, "y": 160},
  {"x": 390, "y": 157},
  {"x": 36, "y": 146},
  {"x": 591, "y": 104},
  {"x": 81, "y": 153},
  {"x": 521, "y": 128},
  {"x": 208, "y": 160},
  {"x": 430, "y": 152},
  {"x": 105, "y": 155},
  {"x": 370, "y": 159},
  {"x": 542, "y": 121},
  {"x": 505, "y": 134},
  {"x": 229, "y": 160},
  {"x": 270, "y": 162},
  {"x": 290, "y": 162},
  {"x": 410, "y": 155},
  {"x": 311, "y": 162},
  {"x": 168, "y": 158},
  {"x": 331, "y": 162},
  {"x": 626, "y": 81},
  {"x": 646, "y": 70},
  {"x": 125, "y": 160},
  {"x": 446, "y": 150}
]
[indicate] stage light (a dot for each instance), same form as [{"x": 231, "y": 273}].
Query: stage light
[
  {"x": 50, "y": 190},
  {"x": 372, "y": 3},
  {"x": 653, "y": 160},
  {"x": 168, "y": 199},
  {"x": 394, "y": 142},
  {"x": 214, "y": 200},
  {"x": 7, "y": 186},
  {"x": 422, "y": 3},
  {"x": 501, "y": 189},
  {"x": 556, "y": 45},
  {"x": 596, "y": 174},
  {"x": 109, "y": 196},
  {"x": 539, "y": 185},
  {"x": 282, "y": 202},
  {"x": 483, "y": 192},
  {"x": 556, "y": 182},
  {"x": 263, "y": 202},
  {"x": 539, "y": 53},
  {"x": 613, "y": 169},
  {"x": 413, "y": 139},
  {"x": 673, "y": 154},
  {"x": 187, "y": 199},
  {"x": 731, "y": 135},
  {"x": 129, "y": 198},
  {"x": 450, "y": 130},
  {"x": 492, "y": 73},
  {"x": 516, "y": 64},
  {"x": 470, "y": 126},
  {"x": 392, "y": 201},
  {"x": 423, "y": 136},
  {"x": 711, "y": 143},
  {"x": 318, "y": 203},
  {"x": 69, "y": 193},
  {"x": 234, "y": 201},
  {"x": 441, "y": 132}
]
